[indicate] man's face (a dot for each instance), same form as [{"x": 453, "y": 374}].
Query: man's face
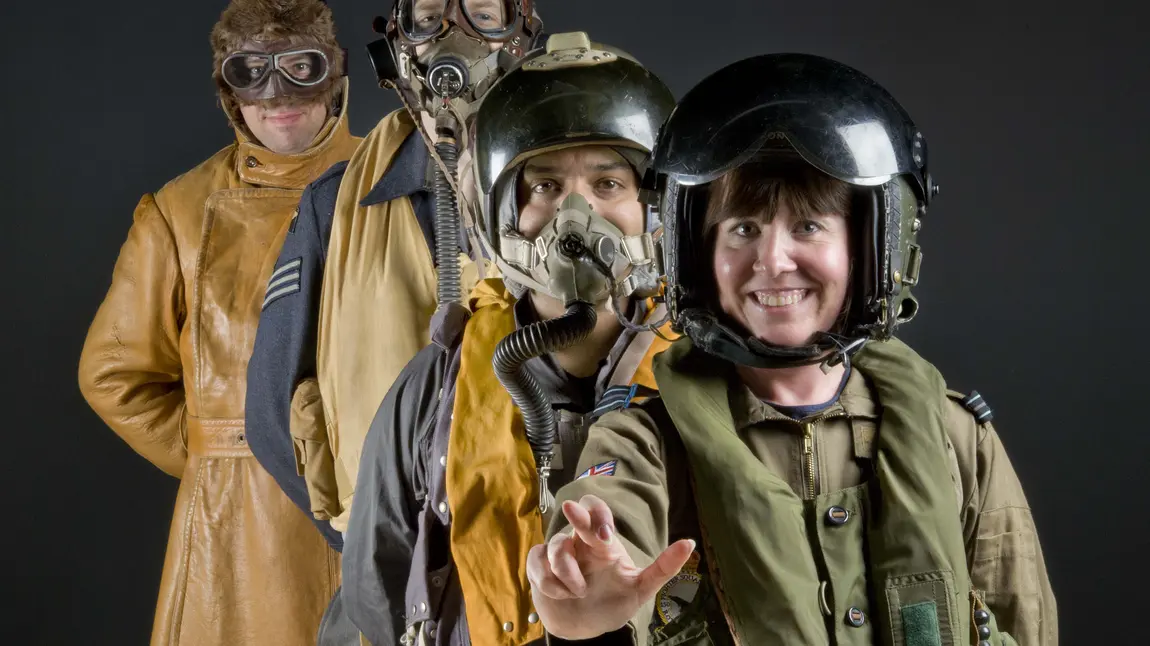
[
  {"x": 427, "y": 15},
  {"x": 598, "y": 173},
  {"x": 293, "y": 114},
  {"x": 285, "y": 128}
]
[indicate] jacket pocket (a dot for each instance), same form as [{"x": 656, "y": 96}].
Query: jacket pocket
[{"x": 313, "y": 456}]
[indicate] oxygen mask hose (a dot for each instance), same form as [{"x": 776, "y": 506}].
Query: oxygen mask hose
[
  {"x": 511, "y": 356},
  {"x": 449, "y": 289}
]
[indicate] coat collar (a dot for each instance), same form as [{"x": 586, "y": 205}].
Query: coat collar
[{"x": 262, "y": 167}]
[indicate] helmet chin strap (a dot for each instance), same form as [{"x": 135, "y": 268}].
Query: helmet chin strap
[{"x": 720, "y": 340}]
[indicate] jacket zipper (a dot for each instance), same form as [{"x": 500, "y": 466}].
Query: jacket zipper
[{"x": 809, "y": 457}]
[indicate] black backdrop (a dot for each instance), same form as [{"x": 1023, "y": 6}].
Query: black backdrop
[{"x": 1032, "y": 286}]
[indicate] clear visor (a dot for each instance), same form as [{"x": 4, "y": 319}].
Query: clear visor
[
  {"x": 303, "y": 67},
  {"x": 420, "y": 20}
]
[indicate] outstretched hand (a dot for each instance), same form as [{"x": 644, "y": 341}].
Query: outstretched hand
[{"x": 585, "y": 584}]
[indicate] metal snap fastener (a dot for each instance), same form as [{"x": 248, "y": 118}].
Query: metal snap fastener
[
  {"x": 507, "y": 627},
  {"x": 443, "y": 508},
  {"x": 837, "y": 516},
  {"x": 251, "y": 162},
  {"x": 856, "y": 617},
  {"x": 533, "y": 618}
]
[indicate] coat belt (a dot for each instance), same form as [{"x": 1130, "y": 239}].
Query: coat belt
[{"x": 217, "y": 437}]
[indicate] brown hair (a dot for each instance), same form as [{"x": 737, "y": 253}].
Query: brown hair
[{"x": 762, "y": 186}]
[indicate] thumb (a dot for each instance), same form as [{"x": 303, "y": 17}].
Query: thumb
[{"x": 667, "y": 565}]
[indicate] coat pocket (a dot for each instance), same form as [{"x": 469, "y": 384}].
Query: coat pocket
[{"x": 313, "y": 456}]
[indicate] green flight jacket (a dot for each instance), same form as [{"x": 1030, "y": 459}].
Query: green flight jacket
[{"x": 825, "y": 562}]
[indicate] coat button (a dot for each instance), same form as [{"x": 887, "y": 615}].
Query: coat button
[
  {"x": 443, "y": 460},
  {"x": 981, "y": 617},
  {"x": 508, "y": 626},
  {"x": 423, "y": 607},
  {"x": 855, "y": 617},
  {"x": 837, "y": 516},
  {"x": 533, "y": 618},
  {"x": 984, "y": 632},
  {"x": 251, "y": 162},
  {"x": 443, "y": 508},
  {"x": 437, "y": 581}
]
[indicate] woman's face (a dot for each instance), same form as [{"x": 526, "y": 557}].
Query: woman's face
[{"x": 784, "y": 278}]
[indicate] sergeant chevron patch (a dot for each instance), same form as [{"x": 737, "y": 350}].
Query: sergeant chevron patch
[{"x": 285, "y": 280}]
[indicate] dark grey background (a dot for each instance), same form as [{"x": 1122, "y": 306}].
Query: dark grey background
[{"x": 1032, "y": 286}]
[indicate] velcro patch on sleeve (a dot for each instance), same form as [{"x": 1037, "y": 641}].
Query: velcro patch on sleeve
[
  {"x": 602, "y": 469},
  {"x": 920, "y": 624}
]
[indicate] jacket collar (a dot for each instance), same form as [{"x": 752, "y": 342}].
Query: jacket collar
[
  {"x": 856, "y": 400},
  {"x": 260, "y": 166},
  {"x": 405, "y": 176}
]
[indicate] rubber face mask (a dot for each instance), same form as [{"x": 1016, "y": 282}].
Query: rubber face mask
[
  {"x": 453, "y": 73},
  {"x": 579, "y": 256}
]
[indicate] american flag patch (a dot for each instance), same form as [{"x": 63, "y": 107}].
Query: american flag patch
[{"x": 601, "y": 469}]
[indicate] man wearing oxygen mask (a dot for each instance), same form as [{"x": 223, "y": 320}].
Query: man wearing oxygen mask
[
  {"x": 164, "y": 361},
  {"x": 456, "y": 482},
  {"x": 355, "y": 287}
]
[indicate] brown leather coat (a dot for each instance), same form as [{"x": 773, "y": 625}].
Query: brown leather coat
[{"x": 165, "y": 366}]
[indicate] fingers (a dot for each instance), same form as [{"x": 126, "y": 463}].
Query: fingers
[
  {"x": 665, "y": 566},
  {"x": 564, "y": 565},
  {"x": 602, "y": 520},
  {"x": 592, "y": 521},
  {"x": 543, "y": 581}
]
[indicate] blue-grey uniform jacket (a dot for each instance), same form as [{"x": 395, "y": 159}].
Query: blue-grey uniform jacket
[{"x": 285, "y": 345}]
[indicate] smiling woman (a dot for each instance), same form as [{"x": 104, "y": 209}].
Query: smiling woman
[
  {"x": 782, "y": 256},
  {"x": 838, "y": 492}
]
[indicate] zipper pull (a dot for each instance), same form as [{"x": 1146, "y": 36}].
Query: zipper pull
[{"x": 809, "y": 458}]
